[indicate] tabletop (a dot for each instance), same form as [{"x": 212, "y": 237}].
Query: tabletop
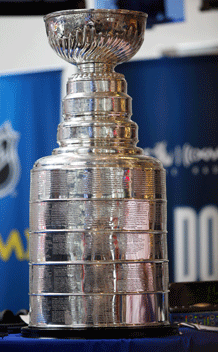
[{"x": 187, "y": 340}]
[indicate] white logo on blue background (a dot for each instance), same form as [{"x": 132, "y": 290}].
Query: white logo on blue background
[
  {"x": 9, "y": 160},
  {"x": 186, "y": 156}
]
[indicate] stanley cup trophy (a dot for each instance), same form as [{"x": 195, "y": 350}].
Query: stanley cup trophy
[{"x": 98, "y": 239}]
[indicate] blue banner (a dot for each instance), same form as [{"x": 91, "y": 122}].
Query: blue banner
[
  {"x": 29, "y": 116},
  {"x": 175, "y": 103}
]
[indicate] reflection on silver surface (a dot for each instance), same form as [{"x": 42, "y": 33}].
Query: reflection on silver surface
[
  {"x": 98, "y": 239},
  {"x": 98, "y": 310},
  {"x": 104, "y": 278},
  {"x": 85, "y": 246}
]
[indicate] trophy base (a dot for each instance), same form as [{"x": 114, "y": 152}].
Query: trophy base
[{"x": 101, "y": 333}]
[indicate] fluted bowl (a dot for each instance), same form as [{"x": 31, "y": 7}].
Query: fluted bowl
[{"x": 108, "y": 36}]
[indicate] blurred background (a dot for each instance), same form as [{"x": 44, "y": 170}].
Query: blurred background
[{"x": 175, "y": 103}]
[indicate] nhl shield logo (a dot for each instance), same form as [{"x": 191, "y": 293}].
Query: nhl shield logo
[{"x": 9, "y": 160}]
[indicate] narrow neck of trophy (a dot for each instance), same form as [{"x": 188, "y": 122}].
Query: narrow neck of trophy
[
  {"x": 97, "y": 112},
  {"x": 95, "y": 67}
]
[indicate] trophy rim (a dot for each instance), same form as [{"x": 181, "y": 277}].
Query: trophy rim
[{"x": 100, "y": 11}]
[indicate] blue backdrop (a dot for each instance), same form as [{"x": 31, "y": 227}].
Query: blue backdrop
[
  {"x": 29, "y": 115},
  {"x": 175, "y": 103}
]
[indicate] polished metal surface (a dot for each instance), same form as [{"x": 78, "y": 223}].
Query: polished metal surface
[
  {"x": 98, "y": 310},
  {"x": 80, "y": 36},
  {"x": 102, "y": 245},
  {"x": 98, "y": 236},
  {"x": 105, "y": 277}
]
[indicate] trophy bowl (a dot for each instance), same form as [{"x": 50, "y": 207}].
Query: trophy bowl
[{"x": 91, "y": 36}]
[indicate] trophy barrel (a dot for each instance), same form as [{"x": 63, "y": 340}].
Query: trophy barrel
[{"x": 98, "y": 237}]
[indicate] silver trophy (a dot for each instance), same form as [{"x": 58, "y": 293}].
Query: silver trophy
[{"x": 98, "y": 239}]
